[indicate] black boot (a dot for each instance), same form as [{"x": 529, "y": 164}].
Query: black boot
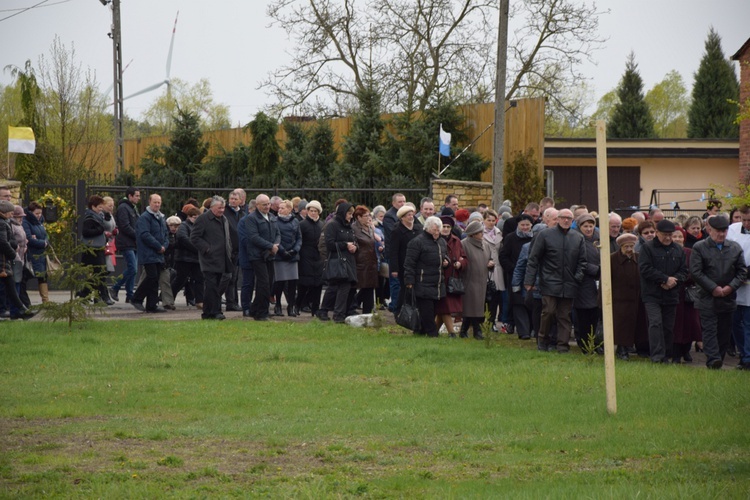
[
  {"x": 291, "y": 311},
  {"x": 277, "y": 311},
  {"x": 464, "y": 333}
]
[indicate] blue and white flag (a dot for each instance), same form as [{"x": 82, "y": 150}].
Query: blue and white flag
[{"x": 445, "y": 142}]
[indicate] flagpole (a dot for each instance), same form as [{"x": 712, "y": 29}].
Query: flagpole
[{"x": 438, "y": 169}]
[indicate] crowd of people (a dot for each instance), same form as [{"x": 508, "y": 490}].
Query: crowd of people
[{"x": 677, "y": 285}]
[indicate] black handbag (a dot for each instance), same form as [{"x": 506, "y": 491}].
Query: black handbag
[
  {"x": 455, "y": 285},
  {"x": 408, "y": 317},
  {"x": 341, "y": 268},
  {"x": 692, "y": 294},
  {"x": 491, "y": 288}
]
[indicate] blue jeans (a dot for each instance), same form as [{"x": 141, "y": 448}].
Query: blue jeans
[
  {"x": 128, "y": 277},
  {"x": 741, "y": 331},
  {"x": 248, "y": 284},
  {"x": 395, "y": 289}
]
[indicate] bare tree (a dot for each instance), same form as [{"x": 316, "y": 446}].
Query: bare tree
[
  {"x": 418, "y": 51},
  {"x": 553, "y": 38},
  {"x": 72, "y": 108},
  {"x": 412, "y": 49}
]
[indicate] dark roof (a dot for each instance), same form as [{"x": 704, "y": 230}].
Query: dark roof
[
  {"x": 738, "y": 54},
  {"x": 659, "y": 148}
]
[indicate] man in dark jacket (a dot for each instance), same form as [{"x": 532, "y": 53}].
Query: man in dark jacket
[
  {"x": 390, "y": 221},
  {"x": 152, "y": 240},
  {"x": 216, "y": 244},
  {"x": 263, "y": 240},
  {"x": 663, "y": 267},
  {"x": 126, "y": 218},
  {"x": 558, "y": 257},
  {"x": 233, "y": 214},
  {"x": 717, "y": 265}
]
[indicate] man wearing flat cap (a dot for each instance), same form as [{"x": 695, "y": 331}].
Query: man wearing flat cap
[
  {"x": 663, "y": 267},
  {"x": 717, "y": 265}
]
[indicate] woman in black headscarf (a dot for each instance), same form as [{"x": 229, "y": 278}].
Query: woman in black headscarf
[{"x": 341, "y": 246}]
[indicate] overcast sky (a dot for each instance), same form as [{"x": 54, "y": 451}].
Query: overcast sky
[{"x": 229, "y": 42}]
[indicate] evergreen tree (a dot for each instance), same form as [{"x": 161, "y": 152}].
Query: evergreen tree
[
  {"x": 186, "y": 149},
  {"x": 522, "y": 172},
  {"x": 293, "y": 161},
  {"x": 363, "y": 147},
  {"x": 711, "y": 114},
  {"x": 320, "y": 151},
  {"x": 414, "y": 147},
  {"x": 631, "y": 118},
  {"x": 264, "y": 150}
]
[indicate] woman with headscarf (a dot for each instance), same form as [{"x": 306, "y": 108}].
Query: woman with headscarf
[
  {"x": 511, "y": 250},
  {"x": 426, "y": 258},
  {"x": 341, "y": 246},
  {"x": 451, "y": 304},
  {"x": 16, "y": 223},
  {"x": 94, "y": 234},
  {"x": 367, "y": 258},
  {"x": 480, "y": 266},
  {"x": 626, "y": 294},
  {"x": 310, "y": 262},
  {"x": 285, "y": 268},
  {"x": 36, "y": 234},
  {"x": 494, "y": 238},
  {"x": 8, "y": 248},
  {"x": 586, "y": 302},
  {"x": 406, "y": 230}
]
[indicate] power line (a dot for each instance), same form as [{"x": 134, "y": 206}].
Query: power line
[
  {"x": 24, "y": 10},
  {"x": 27, "y": 8}
]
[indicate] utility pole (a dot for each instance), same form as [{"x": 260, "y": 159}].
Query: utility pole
[
  {"x": 117, "y": 63},
  {"x": 498, "y": 156}
]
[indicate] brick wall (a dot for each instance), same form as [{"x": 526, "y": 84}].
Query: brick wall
[
  {"x": 744, "y": 61},
  {"x": 470, "y": 194},
  {"x": 15, "y": 190}
]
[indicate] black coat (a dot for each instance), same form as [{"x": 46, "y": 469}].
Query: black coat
[
  {"x": 208, "y": 236},
  {"x": 7, "y": 246},
  {"x": 588, "y": 294},
  {"x": 291, "y": 239},
  {"x": 711, "y": 267},
  {"x": 397, "y": 244},
  {"x": 558, "y": 258},
  {"x": 508, "y": 256},
  {"x": 310, "y": 265},
  {"x": 656, "y": 263},
  {"x": 185, "y": 251},
  {"x": 338, "y": 233},
  {"x": 126, "y": 218},
  {"x": 423, "y": 267}
]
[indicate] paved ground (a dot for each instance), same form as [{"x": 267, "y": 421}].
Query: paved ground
[{"x": 123, "y": 311}]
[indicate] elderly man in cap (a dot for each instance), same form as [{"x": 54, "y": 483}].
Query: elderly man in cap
[
  {"x": 717, "y": 265},
  {"x": 663, "y": 267},
  {"x": 558, "y": 257}
]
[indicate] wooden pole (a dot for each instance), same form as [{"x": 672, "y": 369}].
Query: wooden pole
[
  {"x": 605, "y": 280},
  {"x": 498, "y": 146}
]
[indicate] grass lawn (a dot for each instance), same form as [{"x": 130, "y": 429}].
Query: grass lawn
[{"x": 312, "y": 410}]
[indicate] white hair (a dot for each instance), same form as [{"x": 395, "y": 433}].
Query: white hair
[{"x": 431, "y": 222}]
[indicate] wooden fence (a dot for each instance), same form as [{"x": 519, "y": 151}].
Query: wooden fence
[{"x": 524, "y": 129}]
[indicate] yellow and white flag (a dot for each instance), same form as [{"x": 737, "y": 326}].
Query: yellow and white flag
[{"x": 21, "y": 140}]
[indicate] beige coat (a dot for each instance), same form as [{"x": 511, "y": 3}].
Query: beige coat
[{"x": 475, "y": 276}]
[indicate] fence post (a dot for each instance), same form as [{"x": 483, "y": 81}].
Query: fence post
[{"x": 80, "y": 207}]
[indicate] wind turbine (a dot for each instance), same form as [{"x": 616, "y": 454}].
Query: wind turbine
[{"x": 166, "y": 80}]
